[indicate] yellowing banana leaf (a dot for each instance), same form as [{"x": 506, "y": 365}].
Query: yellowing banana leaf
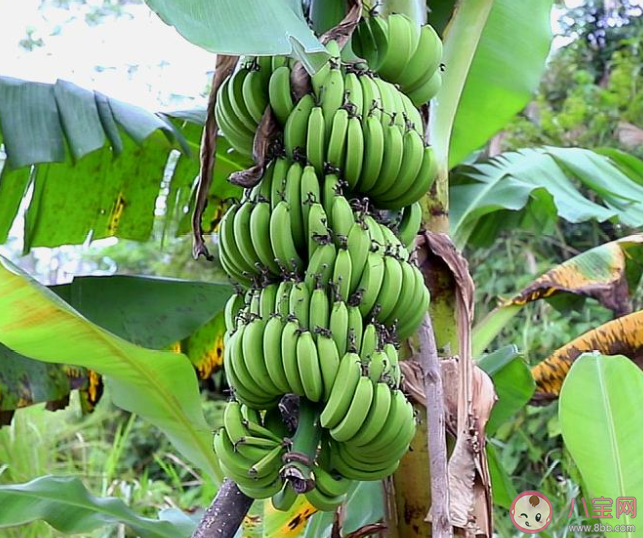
[
  {"x": 601, "y": 417},
  {"x": 494, "y": 54},
  {"x": 204, "y": 347},
  {"x": 159, "y": 386},
  {"x": 622, "y": 336},
  {"x": 66, "y": 505},
  {"x": 290, "y": 524},
  {"x": 25, "y": 382},
  {"x": 606, "y": 273},
  {"x": 96, "y": 165},
  {"x": 245, "y": 27}
]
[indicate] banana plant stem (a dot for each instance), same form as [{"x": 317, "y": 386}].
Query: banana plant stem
[{"x": 224, "y": 516}]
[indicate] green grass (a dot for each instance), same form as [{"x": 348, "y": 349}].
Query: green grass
[{"x": 114, "y": 453}]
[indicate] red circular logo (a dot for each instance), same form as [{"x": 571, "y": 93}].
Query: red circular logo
[{"x": 531, "y": 512}]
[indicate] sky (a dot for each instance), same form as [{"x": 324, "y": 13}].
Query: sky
[{"x": 136, "y": 58}]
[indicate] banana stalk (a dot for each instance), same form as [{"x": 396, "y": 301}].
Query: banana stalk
[{"x": 298, "y": 469}]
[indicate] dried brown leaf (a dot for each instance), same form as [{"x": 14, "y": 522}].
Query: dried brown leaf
[
  {"x": 224, "y": 68},
  {"x": 262, "y": 147}
]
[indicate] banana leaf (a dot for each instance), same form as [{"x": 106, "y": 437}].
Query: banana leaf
[
  {"x": 494, "y": 55},
  {"x": 245, "y": 27},
  {"x": 68, "y": 507},
  {"x": 93, "y": 166},
  {"x": 609, "y": 273},
  {"x": 159, "y": 386}
]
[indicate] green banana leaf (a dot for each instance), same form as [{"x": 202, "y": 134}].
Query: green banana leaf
[
  {"x": 513, "y": 382},
  {"x": 25, "y": 382},
  {"x": 601, "y": 417},
  {"x": 66, "y": 505},
  {"x": 504, "y": 492},
  {"x": 245, "y": 27},
  {"x": 147, "y": 311},
  {"x": 494, "y": 55},
  {"x": 532, "y": 188},
  {"x": 99, "y": 164},
  {"x": 150, "y": 312},
  {"x": 159, "y": 386}
]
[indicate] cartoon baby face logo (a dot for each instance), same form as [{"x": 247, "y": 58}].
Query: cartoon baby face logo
[{"x": 531, "y": 512}]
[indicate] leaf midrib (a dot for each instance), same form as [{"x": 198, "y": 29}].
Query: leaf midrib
[{"x": 612, "y": 434}]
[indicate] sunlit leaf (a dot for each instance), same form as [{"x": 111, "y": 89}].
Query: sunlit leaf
[
  {"x": 95, "y": 166},
  {"x": 504, "y": 492},
  {"x": 25, "y": 382},
  {"x": 159, "y": 386},
  {"x": 494, "y": 53},
  {"x": 148, "y": 311},
  {"x": 244, "y": 27},
  {"x": 601, "y": 418},
  {"x": 512, "y": 381}
]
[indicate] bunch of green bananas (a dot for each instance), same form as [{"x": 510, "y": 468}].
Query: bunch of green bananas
[
  {"x": 242, "y": 100},
  {"x": 327, "y": 285},
  {"x": 402, "y": 53}
]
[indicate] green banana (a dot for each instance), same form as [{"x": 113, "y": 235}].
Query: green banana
[
  {"x": 391, "y": 286},
  {"x": 329, "y": 363},
  {"x": 255, "y": 95},
  {"x": 358, "y": 245},
  {"x": 410, "y": 224},
  {"x": 317, "y": 228},
  {"x": 272, "y": 353},
  {"x": 422, "y": 184},
  {"x": 321, "y": 265},
  {"x": 296, "y": 127},
  {"x": 341, "y": 279},
  {"x": 319, "y": 310},
  {"x": 283, "y": 244},
  {"x": 374, "y": 422},
  {"x": 252, "y": 345},
  {"x": 280, "y": 94},
  {"x": 235, "y": 95},
  {"x": 300, "y": 303},
  {"x": 341, "y": 395},
  {"x": 354, "y": 97},
  {"x": 373, "y": 153},
  {"x": 391, "y": 162},
  {"x": 289, "y": 338},
  {"x": 337, "y": 140},
  {"x": 332, "y": 97},
  {"x": 427, "y": 91},
  {"x": 260, "y": 236},
  {"x": 371, "y": 282},
  {"x": 412, "y": 158},
  {"x": 354, "y": 152},
  {"x": 315, "y": 139},
  {"x": 338, "y": 324},
  {"x": 341, "y": 217},
  {"x": 309, "y": 195},
  {"x": 356, "y": 413},
  {"x": 309, "y": 367}
]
